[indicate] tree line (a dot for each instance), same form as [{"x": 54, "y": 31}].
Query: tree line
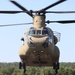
[{"x": 12, "y": 69}]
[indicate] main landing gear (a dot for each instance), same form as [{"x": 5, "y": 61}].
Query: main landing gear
[
  {"x": 56, "y": 67},
  {"x": 22, "y": 65}
]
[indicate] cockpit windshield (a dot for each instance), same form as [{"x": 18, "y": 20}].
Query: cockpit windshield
[
  {"x": 38, "y": 32},
  {"x": 31, "y": 32}
]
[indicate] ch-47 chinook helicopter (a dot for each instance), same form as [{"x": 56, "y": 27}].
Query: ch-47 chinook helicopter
[{"x": 39, "y": 43}]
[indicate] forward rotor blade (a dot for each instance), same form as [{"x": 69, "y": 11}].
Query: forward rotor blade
[
  {"x": 10, "y": 12},
  {"x": 60, "y": 12},
  {"x": 52, "y": 5},
  {"x": 56, "y": 12},
  {"x": 62, "y": 22},
  {"x": 15, "y": 24},
  {"x": 21, "y": 7}
]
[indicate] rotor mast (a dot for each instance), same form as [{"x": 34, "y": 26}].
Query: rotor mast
[{"x": 39, "y": 20}]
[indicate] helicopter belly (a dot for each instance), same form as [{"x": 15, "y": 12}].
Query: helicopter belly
[{"x": 38, "y": 55}]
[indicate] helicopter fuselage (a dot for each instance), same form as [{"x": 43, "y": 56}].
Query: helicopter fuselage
[
  {"x": 39, "y": 43},
  {"x": 39, "y": 48}
]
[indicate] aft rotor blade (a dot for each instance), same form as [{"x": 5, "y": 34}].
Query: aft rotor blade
[
  {"x": 10, "y": 12},
  {"x": 52, "y": 5},
  {"x": 21, "y": 7},
  {"x": 62, "y": 21},
  {"x": 15, "y": 24}
]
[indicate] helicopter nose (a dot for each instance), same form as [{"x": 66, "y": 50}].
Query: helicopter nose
[
  {"x": 29, "y": 42},
  {"x": 47, "y": 43},
  {"x": 39, "y": 41}
]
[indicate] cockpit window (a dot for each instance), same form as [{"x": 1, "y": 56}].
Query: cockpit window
[
  {"x": 31, "y": 32},
  {"x": 37, "y": 32}
]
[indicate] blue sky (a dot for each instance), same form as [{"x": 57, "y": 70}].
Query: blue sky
[{"x": 10, "y": 36}]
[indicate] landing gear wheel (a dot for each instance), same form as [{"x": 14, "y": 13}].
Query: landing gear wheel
[
  {"x": 24, "y": 74},
  {"x": 56, "y": 71},
  {"x": 56, "y": 67},
  {"x": 24, "y": 67},
  {"x": 40, "y": 63},
  {"x": 20, "y": 65}
]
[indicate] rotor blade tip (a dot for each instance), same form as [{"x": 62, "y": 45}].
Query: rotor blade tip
[
  {"x": 11, "y": 0},
  {"x": 63, "y": 0}
]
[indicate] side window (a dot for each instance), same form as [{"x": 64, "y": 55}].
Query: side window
[
  {"x": 50, "y": 32},
  {"x": 45, "y": 32}
]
